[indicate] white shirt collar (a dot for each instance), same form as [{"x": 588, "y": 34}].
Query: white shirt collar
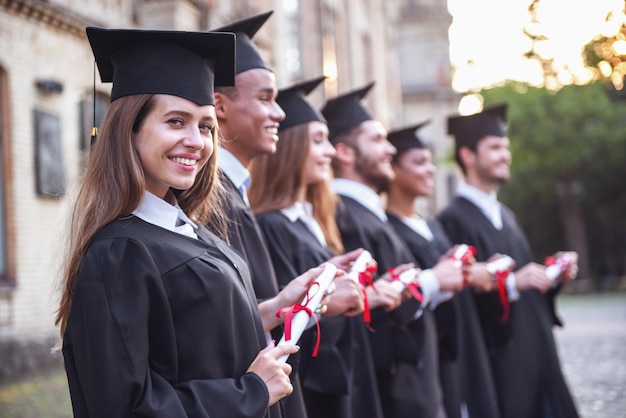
[
  {"x": 232, "y": 167},
  {"x": 486, "y": 202},
  {"x": 362, "y": 194},
  {"x": 304, "y": 212},
  {"x": 297, "y": 210},
  {"x": 420, "y": 226},
  {"x": 157, "y": 211}
]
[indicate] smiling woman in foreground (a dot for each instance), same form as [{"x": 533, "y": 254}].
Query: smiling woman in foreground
[{"x": 158, "y": 315}]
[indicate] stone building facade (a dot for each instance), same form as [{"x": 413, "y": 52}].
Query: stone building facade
[
  {"x": 422, "y": 47},
  {"x": 46, "y": 111}
]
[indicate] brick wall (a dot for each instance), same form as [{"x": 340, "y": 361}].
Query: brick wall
[{"x": 36, "y": 45}]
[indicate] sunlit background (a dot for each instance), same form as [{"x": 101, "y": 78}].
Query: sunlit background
[{"x": 488, "y": 40}]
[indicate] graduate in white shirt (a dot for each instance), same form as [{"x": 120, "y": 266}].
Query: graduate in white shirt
[
  {"x": 464, "y": 371},
  {"x": 362, "y": 169},
  {"x": 518, "y": 329}
]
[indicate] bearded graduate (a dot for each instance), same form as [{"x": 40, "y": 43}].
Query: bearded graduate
[
  {"x": 517, "y": 328},
  {"x": 362, "y": 169}
]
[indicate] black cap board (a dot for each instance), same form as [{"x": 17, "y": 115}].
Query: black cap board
[
  {"x": 297, "y": 108},
  {"x": 178, "y": 63},
  {"x": 407, "y": 138},
  {"x": 469, "y": 130},
  {"x": 346, "y": 111},
  {"x": 248, "y": 55}
]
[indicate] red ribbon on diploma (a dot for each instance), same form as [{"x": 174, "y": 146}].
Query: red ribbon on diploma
[
  {"x": 413, "y": 286},
  {"x": 501, "y": 276},
  {"x": 366, "y": 279},
  {"x": 467, "y": 255},
  {"x": 298, "y": 307},
  {"x": 562, "y": 262},
  {"x": 464, "y": 257}
]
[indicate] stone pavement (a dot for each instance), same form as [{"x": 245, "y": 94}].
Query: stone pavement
[{"x": 592, "y": 346}]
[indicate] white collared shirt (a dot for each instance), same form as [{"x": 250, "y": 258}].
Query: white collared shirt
[
  {"x": 490, "y": 207},
  {"x": 487, "y": 203},
  {"x": 433, "y": 295},
  {"x": 362, "y": 194},
  {"x": 235, "y": 171},
  {"x": 420, "y": 226},
  {"x": 304, "y": 212},
  {"x": 157, "y": 211}
]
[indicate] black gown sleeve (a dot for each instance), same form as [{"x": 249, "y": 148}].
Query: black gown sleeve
[
  {"x": 245, "y": 236},
  {"x": 282, "y": 247}
]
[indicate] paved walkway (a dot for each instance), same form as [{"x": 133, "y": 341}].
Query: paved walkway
[{"x": 592, "y": 346}]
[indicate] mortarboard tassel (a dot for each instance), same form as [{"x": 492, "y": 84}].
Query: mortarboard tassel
[{"x": 94, "y": 129}]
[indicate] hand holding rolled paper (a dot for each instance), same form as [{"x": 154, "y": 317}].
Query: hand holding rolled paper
[
  {"x": 500, "y": 269},
  {"x": 363, "y": 270},
  {"x": 297, "y": 317},
  {"x": 407, "y": 279},
  {"x": 363, "y": 263},
  {"x": 556, "y": 266},
  {"x": 464, "y": 254},
  {"x": 503, "y": 263}
]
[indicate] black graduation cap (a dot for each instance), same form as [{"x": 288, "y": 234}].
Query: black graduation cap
[
  {"x": 184, "y": 64},
  {"x": 468, "y": 130},
  {"x": 346, "y": 111},
  {"x": 407, "y": 138},
  {"x": 297, "y": 108},
  {"x": 248, "y": 55}
]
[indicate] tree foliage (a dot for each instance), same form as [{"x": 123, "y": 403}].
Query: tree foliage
[
  {"x": 571, "y": 139},
  {"x": 605, "y": 56}
]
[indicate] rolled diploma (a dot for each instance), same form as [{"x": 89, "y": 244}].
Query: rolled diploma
[
  {"x": 405, "y": 278},
  {"x": 360, "y": 264},
  {"x": 553, "y": 271},
  {"x": 500, "y": 264},
  {"x": 311, "y": 300},
  {"x": 459, "y": 253}
]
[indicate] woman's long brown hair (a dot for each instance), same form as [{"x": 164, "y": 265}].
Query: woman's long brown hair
[
  {"x": 277, "y": 178},
  {"x": 113, "y": 184}
]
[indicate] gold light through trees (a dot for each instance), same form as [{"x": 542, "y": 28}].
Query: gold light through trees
[{"x": 606, "y": 54}]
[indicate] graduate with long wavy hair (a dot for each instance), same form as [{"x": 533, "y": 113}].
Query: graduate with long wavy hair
[
  {"x": 295, "y": 208},
  {"x": 157, "y": 314}
]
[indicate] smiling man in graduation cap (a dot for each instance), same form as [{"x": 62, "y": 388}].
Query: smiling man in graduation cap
[
  {"x": 248, "y": 117},
  {"x": 523, "y": 355},
  {"x": 363, "y": 170}
]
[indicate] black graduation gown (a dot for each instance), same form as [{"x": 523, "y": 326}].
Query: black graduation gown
[
  {"x": 327, "y": 382},
  {"x": 163, "y": 325},
  {"x": 246, "y": 237},
  {"x": 524, "y": 357},
  {"x": 398, "y": 338},
  {"x": 428, "y": 253}
]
